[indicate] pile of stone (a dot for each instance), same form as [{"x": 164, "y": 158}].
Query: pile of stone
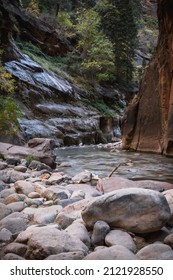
[{"x": 45, "y": 214}]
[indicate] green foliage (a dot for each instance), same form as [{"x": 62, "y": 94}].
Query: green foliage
[
  {"x": 96, "y": 50},
  {"x": 64, "y": 19},
  {"x": 30, "y": 158},
  {"x": 118, "y": 22},
  {"x": 9, "y": 109}
]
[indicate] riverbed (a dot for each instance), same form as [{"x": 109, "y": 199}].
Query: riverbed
[{"x": 101, "y": 160}]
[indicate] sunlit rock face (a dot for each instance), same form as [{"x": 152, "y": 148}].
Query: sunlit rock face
[{"x": 148, "y": 120}]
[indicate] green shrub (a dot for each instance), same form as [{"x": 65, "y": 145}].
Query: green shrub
[
  {"x": 30, "y": 158},
  {"x": 9, "y": 109}
]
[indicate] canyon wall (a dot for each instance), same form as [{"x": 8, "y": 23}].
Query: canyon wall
[{"x": 148, "y": 121}]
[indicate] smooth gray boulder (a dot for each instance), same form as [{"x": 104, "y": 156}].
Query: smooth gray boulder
[
  {"x": 43, "y": 241},
  {"x": 120, "y": 237},
  {"x": 100, "y": 230},
  {"x": 116, "y": 252},
  {"x": 156, "y": 251},
  {"x": 133, "y": 209}
]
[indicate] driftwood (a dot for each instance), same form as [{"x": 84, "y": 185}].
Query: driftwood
[{"x": 116, "y": 167}]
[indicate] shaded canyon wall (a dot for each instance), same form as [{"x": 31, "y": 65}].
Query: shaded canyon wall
[{"x": 148, "y": 120}]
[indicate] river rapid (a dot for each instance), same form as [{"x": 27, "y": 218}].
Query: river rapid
[{"x": 100, "y": 160}]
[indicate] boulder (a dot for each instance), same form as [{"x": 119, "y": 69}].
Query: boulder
[
  {"x": 116, "y": 252},
  {"x": 15, "y": 223},
  {"x": 11, "y": 256},
  {"x": 169, "y": 240},
  {"x": 14, "y": 198},
  {"x": 79, "y": 231},
  {"x": 56, "y": 178},
  {"x": 169, "y": 197},
  {"x": 6, "y": 192},
  {"x": 23, "y": 187},
  {"x": 156, "y": 251},
  {"x": 64, "y": 220},
  {"x": 133, "y": 209},
  {"x": 4, "y": 211},
  {"x": 115, "y": 183},
  {"x": 17, "y": 206},
  {"x": 82, "y": 177},
  {"x": 20, "y": 168},
  {"x": 78, "y": 255},
  {"x": 43, "y": 241},
  {"x": 20, "y": 152},
  {"x": 16, "y": 248},
  {"x": 46, "y": 215},
  {"x": 119, "y": 237},
  {"x": 100, "y": 230},
  {"x": 37, "y": 165},
  {"x": 5, "y": 236},
  {"x": 89, "y": 191}
]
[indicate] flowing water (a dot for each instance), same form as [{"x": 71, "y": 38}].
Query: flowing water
[{"x": 100, "y": 161}]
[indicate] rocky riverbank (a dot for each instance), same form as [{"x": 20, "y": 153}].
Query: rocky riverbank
[{"x": 45, "y": 214}]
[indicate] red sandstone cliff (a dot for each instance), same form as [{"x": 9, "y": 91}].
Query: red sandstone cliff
[{"x": 148, "y": 120}]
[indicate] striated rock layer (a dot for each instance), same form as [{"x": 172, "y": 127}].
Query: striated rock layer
[{"x": 148, "y": 120}]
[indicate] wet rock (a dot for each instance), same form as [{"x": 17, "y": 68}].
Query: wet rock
[
  {"x": 133, "y": 209},
  {"x": 100, "y": 230},
  {"x": 48, "y": 240},
  {"x": 119, "y": 237},
  {"x": 156, "y": 252},
  {"x": 116, "y": 252}
]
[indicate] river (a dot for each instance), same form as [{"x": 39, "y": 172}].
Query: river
[{"x": 100, "y": 161}]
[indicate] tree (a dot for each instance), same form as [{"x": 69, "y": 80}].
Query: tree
[
  {"x": 96, "y": 50},
  {"x": 119, "y": 25}
]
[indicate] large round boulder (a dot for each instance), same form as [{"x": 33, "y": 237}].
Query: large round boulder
[{"x": 133, "y": 209}]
